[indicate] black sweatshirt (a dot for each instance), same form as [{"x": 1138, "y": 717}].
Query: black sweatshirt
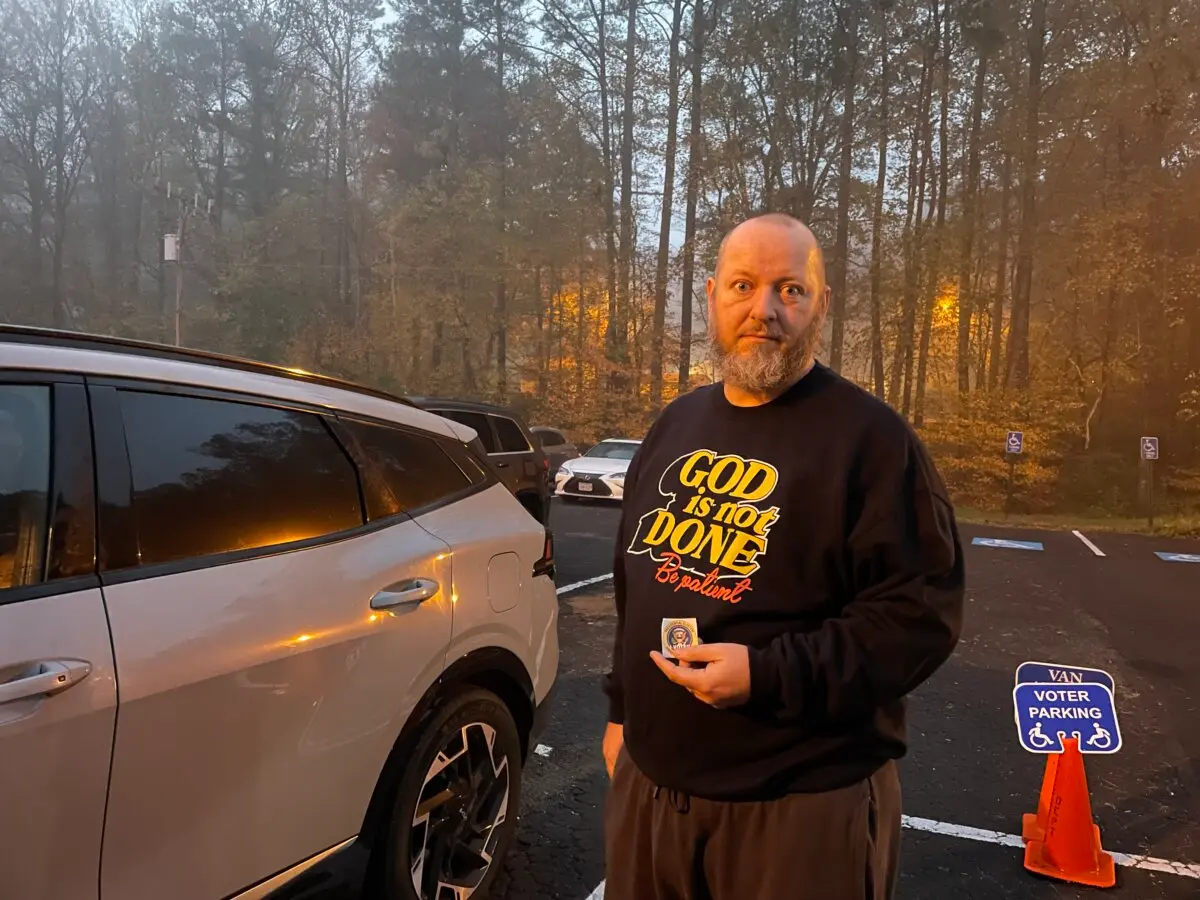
[{"x": 813, "y": 529}]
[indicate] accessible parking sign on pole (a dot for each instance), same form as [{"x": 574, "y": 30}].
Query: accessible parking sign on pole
[
  {"x": 1014, "y": 446},
  {"x": 1149, "y": 453}
]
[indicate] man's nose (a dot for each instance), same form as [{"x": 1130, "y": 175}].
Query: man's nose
[{"x": 767, "y": 302}]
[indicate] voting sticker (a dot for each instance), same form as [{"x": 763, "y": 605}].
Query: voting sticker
[{"x": 677, "y": 633}]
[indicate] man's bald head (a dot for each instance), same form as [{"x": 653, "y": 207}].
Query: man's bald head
[
  {"x": 766, "y": 301},
  {"x": 757, "y": 228}
]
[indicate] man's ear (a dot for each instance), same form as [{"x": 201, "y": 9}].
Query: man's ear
[
  {"x": 710, "y": 289},
  {"x": 825, "y": 295}
]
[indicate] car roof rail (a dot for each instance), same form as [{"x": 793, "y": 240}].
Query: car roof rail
[{"x": 25, "y": 334}]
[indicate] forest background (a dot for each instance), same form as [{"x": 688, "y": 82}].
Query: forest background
[{"x": 519, "y": 201}]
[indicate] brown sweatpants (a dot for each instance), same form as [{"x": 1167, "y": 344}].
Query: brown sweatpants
[{"x": 839, "y": 845}]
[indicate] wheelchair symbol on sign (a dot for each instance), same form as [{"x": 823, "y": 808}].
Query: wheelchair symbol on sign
[
  {"x": 1101, "y": 738},
  {"x": 1038, "y": 738}
]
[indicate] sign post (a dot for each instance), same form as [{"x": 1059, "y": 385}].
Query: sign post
[
  {"x": 1149, "y": 455},
  {"x": 1013, "y": 446}
]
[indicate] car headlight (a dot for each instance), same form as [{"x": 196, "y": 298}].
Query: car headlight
[{"x": 618, "y": 478}]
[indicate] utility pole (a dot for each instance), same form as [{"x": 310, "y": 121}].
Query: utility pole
[{"x": 173, "y": 243}]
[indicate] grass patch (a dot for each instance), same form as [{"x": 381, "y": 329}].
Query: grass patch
[{"x": 1169, "y": 525}]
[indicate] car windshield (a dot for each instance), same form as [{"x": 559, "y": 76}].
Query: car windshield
[{"x": 613, "y": 450}]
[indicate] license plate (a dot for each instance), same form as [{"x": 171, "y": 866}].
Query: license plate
[{"x": 585, "y": 487}]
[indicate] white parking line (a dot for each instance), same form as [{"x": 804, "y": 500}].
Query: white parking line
[
  {"x": 1087, "y": 543},
  {"x": 1129, "y": 860},
  {"x": 567, "y": 588},
  {"x": 932, "y": 826}
]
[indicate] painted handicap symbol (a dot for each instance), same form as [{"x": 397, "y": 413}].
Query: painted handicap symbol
[
  {"x": 1038, "y": 738},
  {"x": 1101, "y": 739}
]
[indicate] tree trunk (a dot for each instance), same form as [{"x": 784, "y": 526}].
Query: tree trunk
[
  {"x": 581, "y": 259},
  {"x": 1001, "y": 287},
  {"x": 625, "y": 285},
  {"x": 695, "y": 161},
  {"x": 912, "y": 265},
  {"x": 935, "y": 264},
  {"x": 841, "y": 247},
  {"x": 1018, "y": 336},
  {"x": 544, "y": 329},
  {"x": 908, "y": 239},
  {"x": 877, "y": 217},
  {"x": 62, "y": 312},
  {"x": 662, "y": 263},
  {"x": 610, "y": 213},
  {"x": 970, "y": 190},
  {"x": 346, "y": 309},
  {"x": 502, "y": 217}
]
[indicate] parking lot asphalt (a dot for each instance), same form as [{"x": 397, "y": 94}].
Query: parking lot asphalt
[{"x": 966, "y": 780}]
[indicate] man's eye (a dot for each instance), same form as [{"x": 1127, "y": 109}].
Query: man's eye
[
  {"x": 793, "y": 291},
  {"x": 741, "y": 286}
]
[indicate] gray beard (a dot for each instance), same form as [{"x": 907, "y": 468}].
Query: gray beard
[{"x": 765, "y": 368}]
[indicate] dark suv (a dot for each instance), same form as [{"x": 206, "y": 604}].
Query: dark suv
[{"x": 514, "y": 453}]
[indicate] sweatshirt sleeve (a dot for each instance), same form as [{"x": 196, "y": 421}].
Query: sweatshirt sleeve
[
  {"x": 613, "y": 688},
  {"x": 903, "y": 615}
]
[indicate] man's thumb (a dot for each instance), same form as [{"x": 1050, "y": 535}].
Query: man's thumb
[{"x": 698, "y": 653}]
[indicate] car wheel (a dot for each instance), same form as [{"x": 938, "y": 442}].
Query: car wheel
[
  {"x": 455, "y": 813},
  {"x": 533, "y": 506}
]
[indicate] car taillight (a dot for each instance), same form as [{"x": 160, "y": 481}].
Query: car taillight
[{"x": 545, "y": 565}]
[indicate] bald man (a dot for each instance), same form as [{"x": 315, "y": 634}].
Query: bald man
[{"x": 803, "y": 527}]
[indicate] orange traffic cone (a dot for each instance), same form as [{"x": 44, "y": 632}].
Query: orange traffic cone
[
  {"x": 1070, "y": 847},
  {"x": 1033, "y": 825}
]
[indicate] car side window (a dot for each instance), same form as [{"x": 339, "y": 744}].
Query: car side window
[
  {"x": 24, "y": 483},
  {"x": 549, "y": 438},
  {"x": 215, "y": 476},
  {"x": 512, "y": 440},
  {"x": 402, "y": 471},
  {"x": 475, "y": 420}
]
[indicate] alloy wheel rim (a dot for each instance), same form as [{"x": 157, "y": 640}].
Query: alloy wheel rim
[{"x": 461, "y": 807}]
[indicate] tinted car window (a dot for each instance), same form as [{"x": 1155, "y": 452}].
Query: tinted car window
[
  {"x": 549, "y": 438},
  {"x": 475, "y": 420},
  {"x": 404, "y": 471},
  {"x": 211, "y": 476},
  {"x": 24, "y": 482},
  {"x": 512, "y": 440},
  {"x": 468, "y": 459}
]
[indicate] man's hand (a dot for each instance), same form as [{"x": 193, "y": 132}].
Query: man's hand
[
  {"x": 718, "y": 674},
  {"x": 614, "y": 740}
]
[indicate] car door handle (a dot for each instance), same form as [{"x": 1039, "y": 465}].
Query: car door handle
[
  {"x": 501, "y": 465},
  {"x": 45, "y": 678},
  {"x": 410, "y": 591}
]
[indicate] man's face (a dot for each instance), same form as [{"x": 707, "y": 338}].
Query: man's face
[{"x": 766, "y": 304}]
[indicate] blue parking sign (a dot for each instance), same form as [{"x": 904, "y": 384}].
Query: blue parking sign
[
  {"x": 1015, "y": 442},
  {"x": 1048, "y": 712},
  {"x": 1006, "y": 543},
  {"x": 1054, "y": 673},
  {"x": 1178, "y": 557}
]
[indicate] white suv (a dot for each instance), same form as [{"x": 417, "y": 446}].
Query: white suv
[{"x": 262, "y": 633}]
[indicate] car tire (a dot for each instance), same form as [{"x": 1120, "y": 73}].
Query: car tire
[
  {"x": 471, "y": 730},
  {"x": 534, "y": 506}
]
